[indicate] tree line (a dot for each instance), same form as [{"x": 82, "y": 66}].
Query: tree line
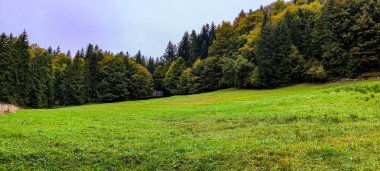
[
  {"x": 36, "y": 77},
  {"x": 280, "y": 44}
]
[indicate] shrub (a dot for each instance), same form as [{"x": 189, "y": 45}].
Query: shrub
[{"x": 315, "y": 71}]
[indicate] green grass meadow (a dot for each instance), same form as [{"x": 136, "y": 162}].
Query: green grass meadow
[{"x": 332, "y": 126}]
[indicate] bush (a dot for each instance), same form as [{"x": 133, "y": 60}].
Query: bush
[{"x": 315, "y": 71}]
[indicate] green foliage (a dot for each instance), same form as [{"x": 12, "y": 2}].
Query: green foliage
[
  {"x": 278, "y": 7},
  {"x": 281, "y": 44},
  {"x": 194, "y": 47},
  {"x": 296, "y": 63},
  {"x": 20, "y": 67},
  {"x": 278, "y": 60},
  {"x": 170, "y": 52},
  {"x": 15, "y": 69},
  {"x": 61, "y": 71},
  {"x": 141, "y": 86},
  {"x": 41, "y": 88},
  {"x": 92, "y": 73},
  {"x": 204, "y": 41},
  {"x": 6, "y": 93},
  {"x": 225, "y": 43},
  {"x": 206, "y": 75},
  {"x": 173, "y": 74},
  {"x": 243, "y": 72},
  {"x": 77, "y": 81},
  {"x": 228, "y": 72},
  {"x": 184, "y": 82},
  {"x": 184, "y": 49},
  {"x": 151, "y": 65},
  {"x": 113, "y": 85},
  {"x": 159, "y": 78},
  {"x": 140, "y": 59}
]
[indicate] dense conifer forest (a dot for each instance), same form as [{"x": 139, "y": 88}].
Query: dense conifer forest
[{"x": 277, "y": 45}]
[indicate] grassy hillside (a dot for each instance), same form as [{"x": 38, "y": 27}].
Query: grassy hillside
[{"x": 321, "y": 127}]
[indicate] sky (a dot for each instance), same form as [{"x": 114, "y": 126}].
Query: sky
[{"x": 115, "y": 25}]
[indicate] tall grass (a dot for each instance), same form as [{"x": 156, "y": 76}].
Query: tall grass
[{"x": 7, "y": 108}]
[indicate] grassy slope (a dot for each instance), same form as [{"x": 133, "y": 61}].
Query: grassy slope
[{"x": 300, "y": 127}]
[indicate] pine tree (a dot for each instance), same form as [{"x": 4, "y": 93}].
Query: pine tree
[
  {"x": 159, "y": 78},
  {"x": 5, "y": 71},
  {"x": 140, "y": 59},
  {"x": 333, "y": 57},
  {"x": 61, "y": 75},
  {"x": 362, "y": 29},
  {"x": 264, "y": 55},
  {"x": 92, "y": 74},
  {"x": 170, "y": 52},
  {"x": 203, "y": 41},
  {"x": 50, "y": 50},
  {"x": 296, "y": 64},
  {"x": 212, "y": 34},
  {"x": 21, "y": 69},
  {"x": 194, "y": 47},
  {"x": 42, "y": 80},
  {"x": 184, "y": 49},
  {"x": 77, "y": 81},
  {"x": 68, "y": 54},
  {"x": 57, "y": 51},
  {"x": 151, "y": 65}
]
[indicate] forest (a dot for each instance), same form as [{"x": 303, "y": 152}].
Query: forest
[{"x": 281, "y": 44}]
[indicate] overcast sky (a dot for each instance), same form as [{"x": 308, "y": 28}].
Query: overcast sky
[{"x": 115, "y": 25}]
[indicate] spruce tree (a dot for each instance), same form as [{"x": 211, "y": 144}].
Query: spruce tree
[
  {"x": 151, "y": 65},
  {"x": 92, "y": 74},
  {"x": 184, "y": 49},
  {"x": 194, "y": 47},
  {"x": 5, "y": 71},
  {"x": 333, "y": 57},
  {"x": 212, "y": 34},
  {"x": 159, "y": 78},
  {"x": 42, "y": 82},
  {"x": 77, "y": 81},
  {"x": 170, "y": 52},
  {"x": 204, "y": 41},
  {"x": 140, "y": 59},
  {"x": 21, "y": 69}
]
